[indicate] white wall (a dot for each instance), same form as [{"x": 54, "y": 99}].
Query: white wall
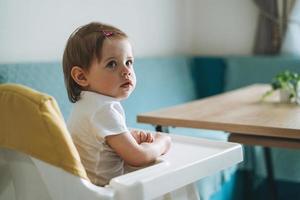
[
  {"x": 37, "y": 30},
  {"x": 223, "y": 27}
]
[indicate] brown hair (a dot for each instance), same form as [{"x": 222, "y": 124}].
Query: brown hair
[{"x": 83, "y": 46}]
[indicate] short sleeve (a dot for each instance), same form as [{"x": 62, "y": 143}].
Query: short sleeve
[{"x": 108, "y": 120}]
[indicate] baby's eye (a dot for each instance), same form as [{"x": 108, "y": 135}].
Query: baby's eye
[
  {"x": 129, "y": 62},
  {"x": 111, "y": 65}
]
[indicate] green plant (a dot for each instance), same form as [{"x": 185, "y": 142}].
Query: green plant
[{"x": 287, "y": 81}]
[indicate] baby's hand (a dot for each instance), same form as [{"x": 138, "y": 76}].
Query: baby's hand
[
  {"x": 142, "y": 136},
  {"x": 146, "y": 137},
  {"x": 166, "y": 140}
]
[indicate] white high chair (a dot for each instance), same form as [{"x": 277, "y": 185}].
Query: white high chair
[{"x": 39, "y": 161}]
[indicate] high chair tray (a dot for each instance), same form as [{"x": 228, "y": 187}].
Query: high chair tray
[{"x": 188, "y": 160}]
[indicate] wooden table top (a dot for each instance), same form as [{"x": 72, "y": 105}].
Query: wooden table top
[{"x": 238, "y": 111}]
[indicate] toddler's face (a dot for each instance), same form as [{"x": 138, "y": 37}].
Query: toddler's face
[{"x": 114, "y": 75}]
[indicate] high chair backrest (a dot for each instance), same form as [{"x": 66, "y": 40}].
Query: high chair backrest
[{"x": 37, "y": 150}]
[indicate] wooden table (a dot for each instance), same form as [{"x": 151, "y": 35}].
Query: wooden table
[{"x": 240, "y": 112}]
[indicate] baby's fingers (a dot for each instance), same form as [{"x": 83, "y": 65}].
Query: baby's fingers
[
  {"x": 143, "y": 136},
  {"x": 150, "y": 137}
]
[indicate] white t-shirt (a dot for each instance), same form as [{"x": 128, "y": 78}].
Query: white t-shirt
[{"x": 94, "y": 117}]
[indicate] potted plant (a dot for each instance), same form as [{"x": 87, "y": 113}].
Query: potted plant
[{"x": 288, "y": 84}]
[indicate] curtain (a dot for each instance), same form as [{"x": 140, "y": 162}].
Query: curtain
[{"x": 268, "y": 36}]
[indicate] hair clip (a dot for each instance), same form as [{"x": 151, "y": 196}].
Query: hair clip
[{"x": 107, "y": 33}]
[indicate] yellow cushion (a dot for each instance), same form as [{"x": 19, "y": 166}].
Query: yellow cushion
[{"x": 31, "y": 122}]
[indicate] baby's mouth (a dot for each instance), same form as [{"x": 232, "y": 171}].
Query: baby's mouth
[{"x": 127, "y": 84}]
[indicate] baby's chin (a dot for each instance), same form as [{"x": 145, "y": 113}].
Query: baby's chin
[{"x": 124, "y": 96}]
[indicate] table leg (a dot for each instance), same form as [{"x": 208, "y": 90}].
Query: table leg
[
  {"x": 270, "y": 174},
  {"x": 160, "y": 128},
  {"x": 249, "y": 174},
  {"x": 262, "y": 141}
]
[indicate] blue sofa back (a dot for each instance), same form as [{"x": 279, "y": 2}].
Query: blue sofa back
[
  {"x": 242, "y": 71},
  {"x": 44, "y": 77}
]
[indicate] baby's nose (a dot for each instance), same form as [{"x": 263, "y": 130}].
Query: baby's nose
[{"x": 126, "y": 72}]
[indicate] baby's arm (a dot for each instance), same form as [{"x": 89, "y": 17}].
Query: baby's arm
[{"x": 139, "y": 154}]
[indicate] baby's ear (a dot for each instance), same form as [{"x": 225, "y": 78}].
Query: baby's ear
[{"x": 79, "y": 76}]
